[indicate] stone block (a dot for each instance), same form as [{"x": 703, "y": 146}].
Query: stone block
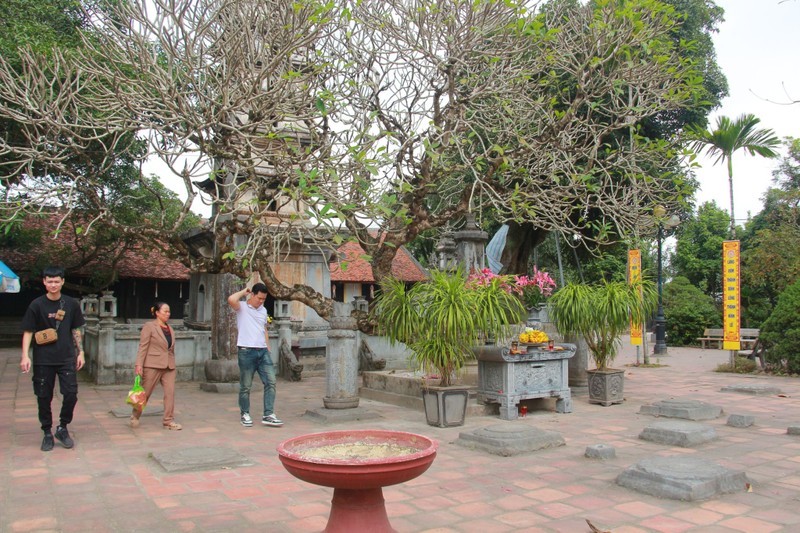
[
  {"x": 755, "y": 389},
  {"x": 509, "y": 439},
  {"x": 741, "y": 421},
  {"x": 678, "y": 433},
  {"x": 678, "y": 408},
  {"x": 200, "y": 458},
  {"x": 682, "y": 478},
  {"x": 600, "y": 451}
]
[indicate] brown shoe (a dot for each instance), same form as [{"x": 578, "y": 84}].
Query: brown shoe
[
  {"x": 174, "y": 426},
  {"x": 134, "y": 422}
]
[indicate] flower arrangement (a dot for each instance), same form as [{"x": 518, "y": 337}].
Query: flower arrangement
[
  {"x": 534, "y": 290},
  {"x": 537, "y": 288},
  {"x": 533, "y": 336}
]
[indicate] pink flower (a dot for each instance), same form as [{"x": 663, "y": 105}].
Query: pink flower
[{"x": 537, "y": 288}]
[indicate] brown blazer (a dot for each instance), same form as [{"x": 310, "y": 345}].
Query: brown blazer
[{"x": 153, "y": 350}]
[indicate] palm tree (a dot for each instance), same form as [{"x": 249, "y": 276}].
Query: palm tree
[{"x": 730, "y": 136}]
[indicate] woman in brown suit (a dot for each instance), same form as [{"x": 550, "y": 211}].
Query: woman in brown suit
[{"x": 155, "y": 362}]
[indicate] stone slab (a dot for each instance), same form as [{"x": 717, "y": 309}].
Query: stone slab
[
  {"x": 330, "y": 416},
  {"x": 682, "y": 478},
  {"x": 741, "y": 421},
  {"x": 681, "y": 408},
  {"x": 221, "y": 388},
  {"x": 509, "y": 439},
  {"x": 678, "y": 433},
  {"x": 755, "y": 389},
  {"x": 125, "y": 412},
  {"x": 200, "y": 458},
  {"x": 600, "y": 451}
]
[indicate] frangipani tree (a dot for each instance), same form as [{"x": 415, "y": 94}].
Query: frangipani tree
[{"x": 316, "y": 122}]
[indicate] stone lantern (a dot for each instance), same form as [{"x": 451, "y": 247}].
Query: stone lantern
[
  {"x": 108, "y": 307},
  {"x": 90, "y": 308}
]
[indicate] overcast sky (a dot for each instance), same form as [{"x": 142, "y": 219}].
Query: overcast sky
[{"x": 758, "y": 47}]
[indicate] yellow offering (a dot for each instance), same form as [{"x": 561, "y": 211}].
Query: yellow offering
[{"x": 533, "y": 336}]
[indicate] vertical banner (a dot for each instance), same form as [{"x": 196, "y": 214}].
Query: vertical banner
[
  {"x": 635, "y": 276},
  {"x": 731, "y": 314}
]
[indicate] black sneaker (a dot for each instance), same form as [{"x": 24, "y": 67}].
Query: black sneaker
[
  {"x": 63, "y": 437},
  {"x": 47, "y": 442},
  {"x": 272, "y": 420}
]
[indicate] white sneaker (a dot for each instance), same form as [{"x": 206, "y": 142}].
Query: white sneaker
[
  {"x": 272, "y": 420},
  {"x": 246, "y": 420}
]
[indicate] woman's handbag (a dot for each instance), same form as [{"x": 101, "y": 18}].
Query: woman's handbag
[{"x": 137, "y": 396}]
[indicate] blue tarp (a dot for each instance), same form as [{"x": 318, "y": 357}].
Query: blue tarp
[{"x": 10, "y": 281}]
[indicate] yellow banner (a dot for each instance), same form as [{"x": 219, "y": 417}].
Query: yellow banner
[
  {"x": 634, "y": 276},
  {"x": 731, "y": 314}
]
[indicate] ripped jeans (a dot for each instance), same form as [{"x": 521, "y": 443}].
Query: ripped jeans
[{"x": 44, "y": 382}]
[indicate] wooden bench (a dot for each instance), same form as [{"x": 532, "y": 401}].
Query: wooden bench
[
  {"x": 713, "y": 337},
  {"x": 758, "y": 351},
  {"x": 748, "y": 337}
]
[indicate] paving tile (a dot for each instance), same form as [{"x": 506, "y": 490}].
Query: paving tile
[
  {"x": 464, "y": 491},
  {"x": 639, "y": 509},
  {"x": 667, "y": 524},
  {"x": 749, "y": 524}
]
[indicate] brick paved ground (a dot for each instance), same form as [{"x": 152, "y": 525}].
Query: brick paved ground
[{"x": 109, "y": 481}]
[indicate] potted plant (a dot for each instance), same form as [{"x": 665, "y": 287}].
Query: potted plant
[
  {"x": 600, "y": 313},
  {"x": 441, "y": 320},
  {"x": 535, "y": 290}
]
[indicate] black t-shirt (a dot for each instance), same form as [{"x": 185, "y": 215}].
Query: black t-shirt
[{"x": 41, "y": 314}]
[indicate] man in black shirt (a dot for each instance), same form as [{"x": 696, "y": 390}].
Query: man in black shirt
[{"x": 54, "y": 353}]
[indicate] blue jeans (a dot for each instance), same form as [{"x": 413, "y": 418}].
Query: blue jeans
[{"x": 252, "y": 360}]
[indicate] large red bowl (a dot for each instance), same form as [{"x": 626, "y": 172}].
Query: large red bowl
[{"x": 359, "y": 472}]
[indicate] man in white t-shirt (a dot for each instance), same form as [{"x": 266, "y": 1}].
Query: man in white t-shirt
[{"x": 254, "y": 355}]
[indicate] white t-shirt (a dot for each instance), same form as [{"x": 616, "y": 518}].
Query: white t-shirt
[{"x": 252, "y": 325}]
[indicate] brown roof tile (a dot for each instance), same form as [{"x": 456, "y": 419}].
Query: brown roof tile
[
  {"x": 351, "y": 267},
  {"x": 138, "y": 262}
]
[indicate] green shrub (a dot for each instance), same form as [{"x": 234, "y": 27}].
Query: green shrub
[
  {"x": 688, "y": 311},
  {"x": 781, "y": 332}
]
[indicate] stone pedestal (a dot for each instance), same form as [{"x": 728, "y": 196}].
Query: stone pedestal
[
  {"x": 509, "y": 439},
  {"x": 682, "y": 478},
  {"x": 341, "y": 359}
]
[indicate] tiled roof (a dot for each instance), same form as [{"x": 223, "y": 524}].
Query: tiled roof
[
  {"x": 358, "y": 270},
  {"x": 150, "y": 263},
  {"x": 137, "y": 263}
]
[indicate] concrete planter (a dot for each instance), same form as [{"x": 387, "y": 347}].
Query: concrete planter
[
  {"x": 445, "y": 406},
  {"x": 606, "y": 386}
]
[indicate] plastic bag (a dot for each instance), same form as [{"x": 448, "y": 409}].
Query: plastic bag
[{"x": 136, "y": 396}]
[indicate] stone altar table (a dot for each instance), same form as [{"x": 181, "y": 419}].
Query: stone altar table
[{"x": 535, "y": 372}]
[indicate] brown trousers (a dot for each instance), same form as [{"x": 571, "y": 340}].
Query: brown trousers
[{"x": 152, "y": 377}]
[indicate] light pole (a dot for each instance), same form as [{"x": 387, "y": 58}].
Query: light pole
[{"x": 660, "y": 347}]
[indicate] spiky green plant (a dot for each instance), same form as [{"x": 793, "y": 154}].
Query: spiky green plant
[
  {"x": 441, "y": 320},
  {"x": 601, "y": 313}
]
